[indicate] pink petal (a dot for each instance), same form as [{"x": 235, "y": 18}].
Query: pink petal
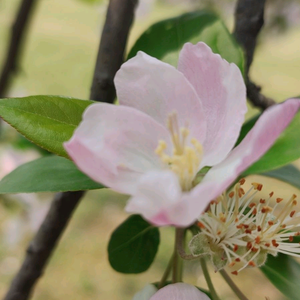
[
  {"x": 179, "y": 291},
  {"x": 156, "y": 193},
  {"x": 260, "y": 138},
  {"x": 115, "y": 145},
  {"x": 221, "y": 89},
  {"x": 158, "y": 89},
  {"x": 159, "y": 200}
]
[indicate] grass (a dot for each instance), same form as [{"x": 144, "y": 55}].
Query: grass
[{"x": 59, "y": 59}]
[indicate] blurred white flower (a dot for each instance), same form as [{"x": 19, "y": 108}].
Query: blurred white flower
[
  {"x": 144, "y": 8},
  {"x": 33, "y": 209},
  {"x": 146, "y": 293}
]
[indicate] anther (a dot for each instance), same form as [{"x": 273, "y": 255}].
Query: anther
[
  {"x": 266, "y": 209},
  {"x": 257, "y": 186},
  {"x": 278, "y": 200},
  {"x": 242, "y": 181},
  {"x": 231, "y": 194},
  {"x": 201, "y": 225},
  {"x": 234, "y": 273},
  {"x": 251, "y": 263},
  {"x": 241, "y": 192}
]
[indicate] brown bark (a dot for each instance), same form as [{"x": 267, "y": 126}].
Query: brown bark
[
  {"x": 249, "y": 19},
  {"x": 18, "y": 34}
]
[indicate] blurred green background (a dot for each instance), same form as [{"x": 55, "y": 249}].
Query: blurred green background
[{"x": 58, "y": 58}]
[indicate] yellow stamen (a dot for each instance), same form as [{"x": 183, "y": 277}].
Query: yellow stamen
[{"x": 185, "y": 160}]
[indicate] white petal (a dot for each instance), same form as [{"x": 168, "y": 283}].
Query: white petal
[
  {"x": 156, "y": 194},
  {"x": 115, "y": 145},
  {"x": 221, "y": 89},
  {"x": 159, "y": 89},
  {"x": 179, "y": 291},
  {"x": 260, "y": 138}
]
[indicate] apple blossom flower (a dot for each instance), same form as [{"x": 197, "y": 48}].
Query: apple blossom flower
[
  {"x": 169, "y": 125},
  {"x": 144, "y": 8},
  {"x": 238, "y": 232},
  {"x": 179, "y": 291},
  {"x": 33, "y": 209}
]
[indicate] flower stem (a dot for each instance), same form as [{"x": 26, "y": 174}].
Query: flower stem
[
  {"x": 176, "y": 259},
  {"x": 230, "y": 282},
  {"x": 166, "y": 273},
  {"x": 180, "y": 241},
  {"x": 212, "y": 290}
]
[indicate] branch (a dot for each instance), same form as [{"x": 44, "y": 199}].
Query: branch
[
  {"x": 109, "y": 60},
  {"x": 18, "y": 34},
  {"x": 119, "y": 18},
  {"x": 42, "y": 245},
  {"x": 249, "y": 19}
]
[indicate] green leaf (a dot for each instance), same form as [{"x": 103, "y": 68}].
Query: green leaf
[
  {"x": 165, "y": 39},
  {"x": 133, "y": 245},
  {"x": 289, "y": 174},
  {"x": 284, "y": 272},
  {"x": 47, "y": 174},
  {"x": 247, "y": 126},
  {"x": 285, "y": 150},
  {"x": 47, "y": 121}
]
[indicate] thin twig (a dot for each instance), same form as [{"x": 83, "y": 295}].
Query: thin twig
[
  {"x": 175, "y": 265},
  {"x": 18, "y": 34},
  {"x": 249, "y": 19},
  {"x": 109, "y": 60},
  {"x": 180, "y": 245},
  {"x": 230, "y": 282},
  {"x": 42, "y": 245},
  {"x": 210, "y": 285},
  {"x": 166, "y": 273}
]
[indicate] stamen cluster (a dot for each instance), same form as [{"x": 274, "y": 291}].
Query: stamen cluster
[
  {"x": 238, "y": 232},
  {"x": 185, "y": 160}
]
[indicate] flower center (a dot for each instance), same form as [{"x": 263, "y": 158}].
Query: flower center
[{"x": 187, "y": 153}]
